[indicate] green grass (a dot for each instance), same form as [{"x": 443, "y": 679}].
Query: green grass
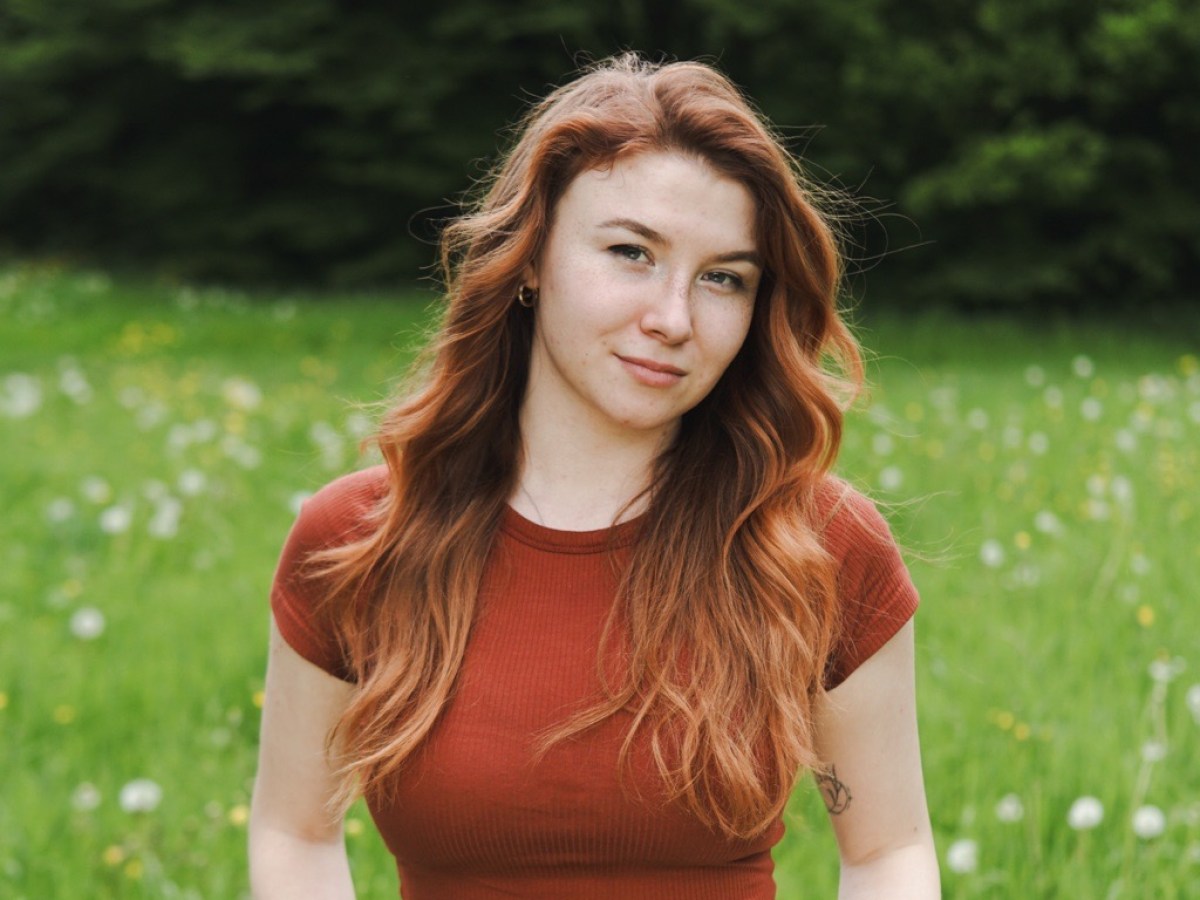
[{"x": 1043, "y": 479}]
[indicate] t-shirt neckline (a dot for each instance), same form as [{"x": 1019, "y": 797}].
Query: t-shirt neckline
[{"x": 556, "y": 540}]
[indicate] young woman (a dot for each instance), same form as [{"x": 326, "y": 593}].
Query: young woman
[{"x": 604, "y": 603}]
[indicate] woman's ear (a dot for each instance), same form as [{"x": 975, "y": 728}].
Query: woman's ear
[{"x": 529, "y": 276}]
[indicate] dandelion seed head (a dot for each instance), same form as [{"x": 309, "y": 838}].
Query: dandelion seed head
[
  {"x": 891, "y": 478},
  {"x": 1091, "y": 409},
  {"x": 1038, "y": 443},
  {"x": 962, "y": 856},
  {"x": 164, "y": 524},
  {"x": 192, "y": 482},
  {"x": 140, "y": 796},
  {"x": 241, "y": 393},
  {"x": 882, "y": 444},
  {"x": 1035, "y": 376},
  {"x": 1148, "y": 822},
  {"x": 85, "y": 797},
  {"x": 1192, "y": 698},
  {"x": 95, "y": 489},
  {"x": 59, "y": 510},
  {"x": 991, "y": 553},
  {"x": 1154, "y": 751},
  {"x": 1165, "y": 671},
  {"x": 1053, "y": 397},
  {"x": 1010, "y": 808},
  {"x": 977, "y": 419},
  {"x": 1083, "y": 366},
  {"x": 1125, "y": 440},
  {"x": 1085, "y": 813},
  {"x": 1047, "y": 522},
  {"x": 296, "y": 501},
  {"x": 20, "y": 395},
  {"x": 116, "y": 519},
  {"x": 1122, "y": 489},
  {"x": 87, "y": 623}
]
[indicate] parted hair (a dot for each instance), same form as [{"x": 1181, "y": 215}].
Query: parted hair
[{"x": 727, "y": 611}]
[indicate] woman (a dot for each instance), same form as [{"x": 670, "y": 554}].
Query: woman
[{"x": 604, "y": 602}]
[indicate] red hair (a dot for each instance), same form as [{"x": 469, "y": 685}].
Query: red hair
[{"x": 727, "y": 610}]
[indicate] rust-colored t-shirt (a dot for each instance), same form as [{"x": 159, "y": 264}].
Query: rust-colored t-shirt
[{"x": 475, "y": 816}]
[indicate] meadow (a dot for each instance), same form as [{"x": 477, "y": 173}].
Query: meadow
[{"x": 1044, "y": 479}]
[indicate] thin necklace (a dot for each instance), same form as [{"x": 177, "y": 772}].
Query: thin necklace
[{"x": 533, "y": 503}]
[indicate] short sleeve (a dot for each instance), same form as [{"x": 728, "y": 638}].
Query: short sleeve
[
  {"x": 335, "y": 515},
  {"x": 876, "y": 594}
]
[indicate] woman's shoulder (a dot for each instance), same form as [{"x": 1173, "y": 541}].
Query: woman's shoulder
[
  {"x": 849, "y": 524},
  {"x": 341, "y": 510}
]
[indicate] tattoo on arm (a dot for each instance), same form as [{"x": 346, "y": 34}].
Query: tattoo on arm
[{"x": 835, "y": 793}]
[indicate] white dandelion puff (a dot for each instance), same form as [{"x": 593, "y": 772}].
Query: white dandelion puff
[
  {"x": 95, "y": 489},
  {"x": 21, "y": 396},
  {"x": 241, "y": 393},
  {"x": 1148, "y": 822},
  {"x": 192, "y": 482},
  {"x": 1085, "y": 813},
  {"x": 74, "y": 384},
  {"x": 1121, "y": 489},
  {"x": 891, "y": 478},
  {"x": 1091, "y": 409},
  {"x": 296, "y": 501},
  {"x": 1164, "y": 671},
  {"x": 1193, "y": 701},
  {"x": 164, "y": 524},
  {"x": 1125, "y": 440},
  {"x": 882, "y": 444},
  {"x": 87, "y": 623},
  {"x": 991, "y": 553},
  {"x": 1038, "y": 443},
  {"x": 962, "y": 857},
  {"x": 86, "y": 797},
  {"x": 359, "y": 425},
  {"x": 1035, "y": 376},
  {"x": 977, "y": 419},
  {"x": 116, "y": 519},
  {"x": 1154, "y": 751},
  {"x": 1047, "y": 522},
  {"x": 59, "y": 509},
  {"x": 1083, "y": 366},
  {"x": 1010, "y": 808},
  {"x": 1053, "y": 397},
  {"x": 140, "y": 796}
]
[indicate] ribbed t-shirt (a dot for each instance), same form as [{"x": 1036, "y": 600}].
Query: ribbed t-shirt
[{"x": 475, "y": 815}]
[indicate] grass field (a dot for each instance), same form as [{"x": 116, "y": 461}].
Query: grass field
[{"x": 157, "y": 440}]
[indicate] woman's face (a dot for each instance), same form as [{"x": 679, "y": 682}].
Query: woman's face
[{"x": 647, "y": 286}]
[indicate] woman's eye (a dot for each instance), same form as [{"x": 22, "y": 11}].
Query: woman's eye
[
  {"x": 629, "y": 252},
  {"x": 726, "y": 279}
]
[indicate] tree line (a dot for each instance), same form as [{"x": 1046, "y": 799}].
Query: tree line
[{"x": 1004, "y": 152}]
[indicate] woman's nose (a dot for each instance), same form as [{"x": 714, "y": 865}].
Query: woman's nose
[{"x": 668, "y": 313}]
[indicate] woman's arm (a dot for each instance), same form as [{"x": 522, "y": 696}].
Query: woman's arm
[
  {"x": 867, "y": 731},
  {"x": 296, "y": 846}
]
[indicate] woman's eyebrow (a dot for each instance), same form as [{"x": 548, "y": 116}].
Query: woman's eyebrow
[
  {"x": 637, "y": 228},
  {"x": 645, "y": 231}
]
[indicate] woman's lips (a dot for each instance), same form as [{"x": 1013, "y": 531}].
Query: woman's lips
[{"x": 652, "y": 373}]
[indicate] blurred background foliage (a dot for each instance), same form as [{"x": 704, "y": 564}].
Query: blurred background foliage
[{"x": 1019, "y": 152}]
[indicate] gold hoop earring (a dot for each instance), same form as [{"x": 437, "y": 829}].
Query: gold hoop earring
[{"x": 527, "y": 296}]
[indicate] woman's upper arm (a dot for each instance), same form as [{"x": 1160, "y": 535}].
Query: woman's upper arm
[
  {"x": 867, "y": 732},
  {"x": 296, "y": 780}
]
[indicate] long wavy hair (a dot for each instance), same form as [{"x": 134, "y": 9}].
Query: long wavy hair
[{"x": 726, "y": 612}]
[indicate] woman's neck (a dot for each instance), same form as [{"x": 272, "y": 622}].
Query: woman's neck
[{"x": 578, "y": 479}]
